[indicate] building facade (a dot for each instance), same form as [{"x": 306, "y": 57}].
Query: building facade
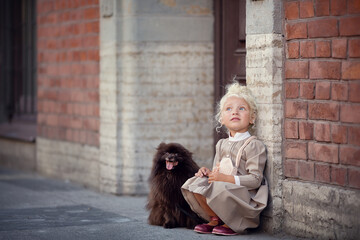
[{"x": 117, "y": 77}]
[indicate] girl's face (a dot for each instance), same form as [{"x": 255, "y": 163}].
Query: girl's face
[{"x": 236, "y": 115}]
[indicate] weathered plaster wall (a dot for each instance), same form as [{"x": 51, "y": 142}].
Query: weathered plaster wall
[{"x": 156, "y": 84}]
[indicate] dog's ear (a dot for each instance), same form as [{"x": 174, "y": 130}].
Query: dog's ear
[{"x": 161, "y": 146}]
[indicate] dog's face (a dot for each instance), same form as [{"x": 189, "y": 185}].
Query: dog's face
[
  {"x": 170, "y": 159},
  {"x": 171, "y": 156}
]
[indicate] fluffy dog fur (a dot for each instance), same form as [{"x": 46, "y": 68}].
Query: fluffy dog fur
[{"x": 172, "y": 166}]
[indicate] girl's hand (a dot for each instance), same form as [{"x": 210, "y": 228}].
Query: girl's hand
[
  {"x": 220, "y": 177},
  {"x": 203, "y": 171},
  {"x": 216, "y": 176}
]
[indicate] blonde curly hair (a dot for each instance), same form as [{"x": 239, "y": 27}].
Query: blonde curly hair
[{"x": 236, "y": 90}]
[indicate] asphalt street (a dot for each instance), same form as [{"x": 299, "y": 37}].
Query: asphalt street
[{"x": 35, "y": 207}]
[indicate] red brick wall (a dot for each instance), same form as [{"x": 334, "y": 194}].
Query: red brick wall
[
  {"x": 68, "y": 70},
  {"x": 322, "y": 91}
]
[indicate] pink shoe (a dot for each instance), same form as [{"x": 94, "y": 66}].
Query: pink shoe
[
  {"x": 224, "y": 231},
  {"x": 206, "y": 228}
]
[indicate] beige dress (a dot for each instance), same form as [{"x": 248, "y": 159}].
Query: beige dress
[{"x": 237, "y": 206}]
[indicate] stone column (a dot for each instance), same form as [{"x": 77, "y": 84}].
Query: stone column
[{"x": 264, "y": 71}]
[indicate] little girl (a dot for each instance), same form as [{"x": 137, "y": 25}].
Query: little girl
[{"x": 231, "y": 202}]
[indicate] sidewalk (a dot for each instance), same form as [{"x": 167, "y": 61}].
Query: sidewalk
[{"x": 34, "y": 207}]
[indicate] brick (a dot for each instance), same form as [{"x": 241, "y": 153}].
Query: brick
[
  {"x": 350, "y": 155},
  {"x": 322, "y": 8},
  {"x": 291, "y": 129},
  {"x": 93, "y": 55},
  {"x": 293, "y": 49},
  {"x": 45, "y": 7},
  {"x": 339, "y": 175},
  {"x": 354, "y": 178},
  {"x": 291, "y": 168},
  {"x": 323, "y": 49},
  {"x": 91, "y": 13},
  {"x": 354, "y": 135},
  {"x": 92, "y": 96},
  {"x": 351, "y": 70},
  {"x": 296, "y": 30},
  {"x": 296, "y": 69},
  {"x": 339, "y": 134},
  {"x": 51, "y": 120},
  {"x": 68, "y": 135},
  {"x": 339, "y": 91},
  {"x": 292, "y": 10},
  {"x": 296, "y": 109},
  {"x": 350, "y": 113},
  {"x": 76, "y": 123},
  {"x": 354, "y": 91},
  {"x": 338, "y": 7},
  {"x": 306, "y": 170},
  {"x": 91, "y": 68},
  {"x": 60, "y": 5},
  {"x": 307, "y": 49},
  {"x": 323, "y": 28},
  {"x": 91, "y": 124},
  {"x": 322, "y": 173},
  {"x": 339, "y": 48},
  {"x": 354, "y": 48},
  {"x": 41, "y": 118},
  {"x": 322, "y": 90},
  {"x": 353, "y": 6},
  {"x": 295, "y": 150},
  {"x": 307, "y": 90},
  {"x": 325, "y": 70},
  {"x": 324, "y": 111},
  {"x": 74, "y": 135},
  {"x": 323, "y": 152},
  {"x": 306, "y": 9},
  {"x": 92, "y": 27},
  {"x": 349, "y": 26},
  {"x": 306, "y": 130},
  {"x": 91, "y": 41},
  {"x": 322, "y": 132},
  {"x": 291, "y": 90}
]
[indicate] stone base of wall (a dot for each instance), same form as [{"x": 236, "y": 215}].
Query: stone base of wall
[
  {"x": 75, "y": 162},
  {"x": 321, "y": 211},
  {"x": 18, "y": 154}
]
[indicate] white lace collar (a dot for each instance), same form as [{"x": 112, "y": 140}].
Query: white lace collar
[{"x": 239, "y": 136}]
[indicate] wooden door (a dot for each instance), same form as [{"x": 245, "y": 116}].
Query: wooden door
[{"x": 230, "y": 49}]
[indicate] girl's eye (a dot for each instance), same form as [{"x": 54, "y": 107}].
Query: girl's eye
[
  {"x": 242, "y": 108},
  {"x": 228, "y": 109}
]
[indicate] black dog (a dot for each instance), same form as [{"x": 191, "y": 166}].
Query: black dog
[{"x": 172, "y": 166}]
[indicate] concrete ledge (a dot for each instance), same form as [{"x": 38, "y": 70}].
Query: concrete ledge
[
  {"x": 69, "y": 161},
  {"x": 312, "y": 210},
  {"x": 18, "y": 154}
]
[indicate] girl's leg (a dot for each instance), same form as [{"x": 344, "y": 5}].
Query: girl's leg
[{"x": 202, "y": 202}]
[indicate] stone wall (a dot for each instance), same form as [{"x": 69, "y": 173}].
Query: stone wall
[
  {"x": 322, "y": 119},
  {"x": 156, "y": 84}
]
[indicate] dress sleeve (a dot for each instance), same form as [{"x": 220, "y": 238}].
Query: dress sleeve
[{"x": 255, "y": 155}]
